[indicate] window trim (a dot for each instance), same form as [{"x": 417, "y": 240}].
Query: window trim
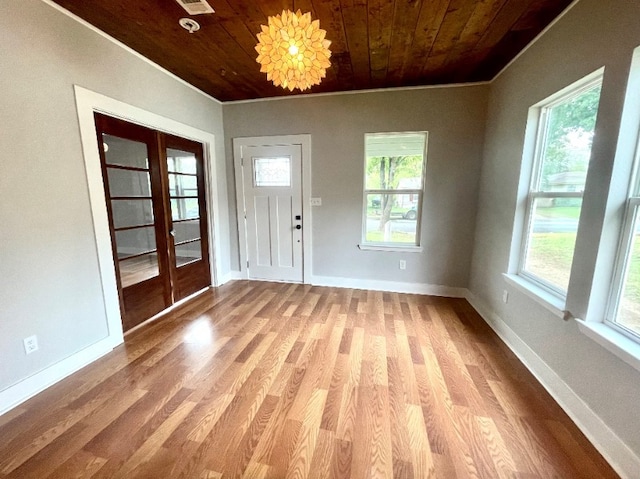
[
  {"x": 393, "y": 246},
  {"x": 540, "y": 119},
  {"x": 623, "y": 251}
]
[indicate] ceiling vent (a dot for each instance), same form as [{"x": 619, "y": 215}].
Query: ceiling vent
[{"x": 195, "y": 7}]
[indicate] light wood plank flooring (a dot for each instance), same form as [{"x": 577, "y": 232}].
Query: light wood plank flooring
[{"x": 264, "y": 380}]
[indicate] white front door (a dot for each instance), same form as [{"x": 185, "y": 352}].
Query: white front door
[{"x": 272, "y": 197}]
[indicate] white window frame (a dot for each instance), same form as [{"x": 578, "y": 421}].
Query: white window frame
[
  {"x": 534, "y": 192},
  {"x": 392, "y": 246},
  {"x": 623, "y": 255}
]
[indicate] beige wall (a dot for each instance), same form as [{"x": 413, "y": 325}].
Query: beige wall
[
  {"x": 49, "y": 278},
  {"x": 454, "y": 118},
  {"x": 591, "y": 35}
]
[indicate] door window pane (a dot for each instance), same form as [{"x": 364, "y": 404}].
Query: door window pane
[
  {"x": 391, "y": 218},
  {"x": 183, "y": 185},
  {"x": 136, "y": 270},
  {"x": 181, "y": 161},
  {"x": 131, "y": 213},
  {"x": 187, "y": 253},
  {"x": 119, "y": 151},
  {"x": 184, "y": 209},
  {"x": 272, "y": 172},
  {"x": 552, "y": 239},
  {"x": 186, "y": 231},
  {"x": 135, "y": 241},
  {"x": 129, "y": 183}
]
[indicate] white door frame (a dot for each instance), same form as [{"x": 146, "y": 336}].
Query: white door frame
[
  {"x": 87, "y": 102},
  {"x": 304, "y": 141}
]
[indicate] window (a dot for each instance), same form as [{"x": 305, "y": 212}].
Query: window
[
  {"x": 564, "y": 136},
  {"x": 394, "y": 184},
  {"x": 624, "y": 305}
]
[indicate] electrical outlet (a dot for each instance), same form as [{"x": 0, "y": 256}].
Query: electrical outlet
[
  {"x": 315, "y": 201},
  {"x": 403, "y": 264},
  {"x": 30, "y": 344},
  {"x": 505, "y": 296}
]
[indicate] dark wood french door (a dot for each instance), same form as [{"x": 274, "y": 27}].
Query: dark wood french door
[{"x": 155, "y": 192}]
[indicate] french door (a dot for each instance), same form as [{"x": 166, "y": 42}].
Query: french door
[{"x": 155, "y": 193}]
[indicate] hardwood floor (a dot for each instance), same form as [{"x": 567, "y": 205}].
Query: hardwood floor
[{"x": 264, "y": 380}]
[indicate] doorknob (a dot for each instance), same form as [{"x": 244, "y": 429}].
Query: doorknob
[{"x": 298, "y": 227}]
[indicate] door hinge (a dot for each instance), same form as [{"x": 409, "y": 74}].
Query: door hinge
[{"x": 247, "y": 264}]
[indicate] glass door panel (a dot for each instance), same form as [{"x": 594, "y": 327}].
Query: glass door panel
[
  {"x": 131, "y": 212},
  {"x": 185, "y": 209},
  {"x": 185, "y": 231},
  {"x": 179, "y": 161},
  {"x": 137, "y": 269},
  {"x": 188, "y": 252},
  {"x": 125, "y": 152},
  {"x": 135, "y": 241},
  {"x": 129, "y": 183},
  {"x": 183, "y": 185}
]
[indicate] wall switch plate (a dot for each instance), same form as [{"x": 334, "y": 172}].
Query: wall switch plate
[
  {"x": 505, "y": 296},
  {"x": 403, "y": 264},
  {"x": 30, "y": 344},
  {"x": 315, "y": 202}
]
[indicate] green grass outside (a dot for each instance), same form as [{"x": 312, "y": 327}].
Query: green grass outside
[
  {"x": 554, "y": 248},
  {"x": 559, "y": 212},
  {"x": 396, "y": 237},
  {"x": 632, "y": 289},
  {"x": 556, "y": 251}
]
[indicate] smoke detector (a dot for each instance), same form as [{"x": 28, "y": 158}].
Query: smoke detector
[
  {"x": 196, "y": 7},
  {"x": 189, "y": 25}
]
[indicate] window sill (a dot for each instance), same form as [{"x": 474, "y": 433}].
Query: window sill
[
  {"x": 544, "y": 298},
  {"x": 617, "y": 343},
  {"x": 396, "y": 248}
]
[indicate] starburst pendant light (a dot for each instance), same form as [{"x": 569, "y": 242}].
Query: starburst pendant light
[{"x": 292, "y": 50}]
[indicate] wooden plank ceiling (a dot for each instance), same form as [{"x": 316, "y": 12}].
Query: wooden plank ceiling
[{"x": 374, "y": 43}]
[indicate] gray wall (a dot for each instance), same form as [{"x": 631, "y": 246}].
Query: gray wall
[
  {"x": 49, "y": 278},
  {"x": 454, "y": 118},
  {"x": 593, "y": 34}
]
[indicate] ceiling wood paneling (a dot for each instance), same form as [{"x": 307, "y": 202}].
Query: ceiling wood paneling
[{"x": 374, "y": 43}]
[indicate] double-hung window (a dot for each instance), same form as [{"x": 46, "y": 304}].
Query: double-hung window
[
  {"x": 564, "y": 135},
  {"x": 623, "y": 312},
  {"x": 394, "y": 186}
]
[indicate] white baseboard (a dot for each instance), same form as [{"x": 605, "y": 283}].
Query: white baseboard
[
  {"x": 29, "y": 387},
  {"x": 614, "y": 450},
  {"x": 390, "y": 286},
  {"x": 231, "y": 276}
]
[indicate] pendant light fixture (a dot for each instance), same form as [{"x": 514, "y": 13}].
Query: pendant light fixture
[{"x": 292, "y": 50}]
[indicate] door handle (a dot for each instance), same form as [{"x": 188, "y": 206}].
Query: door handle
[
  {"x": 298, "y": 227},
  {"x": 172, "y": 233}
]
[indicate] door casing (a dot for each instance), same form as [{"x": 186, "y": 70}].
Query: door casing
[
  {"x": 88, "y": 102},
  {"x": 304, "y": 141}
]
